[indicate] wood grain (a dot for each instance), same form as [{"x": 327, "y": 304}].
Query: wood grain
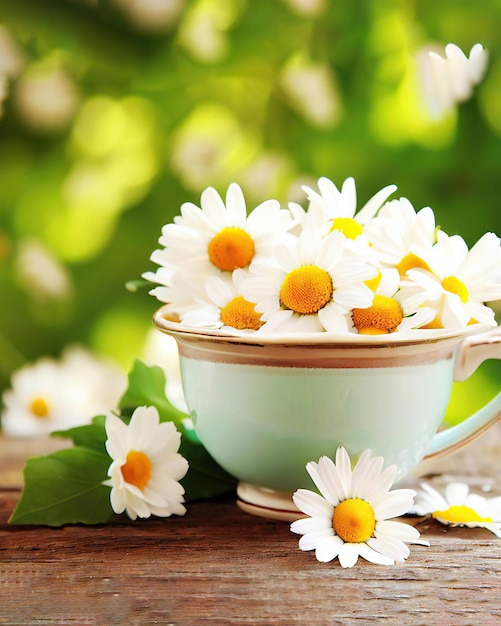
[{"x": 219, "y": 565}]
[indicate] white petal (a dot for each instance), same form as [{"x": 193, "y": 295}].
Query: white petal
[
  {"x": 310, "y": 541},
  {"x": 371, "y": 555},
  {"x": 311, "y": 524},
  {"x": 312, "y": 503},
  {"x": 348, "y": 554},
  {"x": 456, "y": 493},
  {"x": 343, "y": 466},
  {"x": 390, "y": 547},
  {"x": 371, "y": 207},
  {"x": 393, "y": 504},
  {"x": 328, "y": 549},
  {"x": 324, "y": 482},
  {"x": 397, "y": 530}
]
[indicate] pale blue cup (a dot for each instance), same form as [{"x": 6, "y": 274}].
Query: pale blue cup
[{"x": 263, "y": 406}]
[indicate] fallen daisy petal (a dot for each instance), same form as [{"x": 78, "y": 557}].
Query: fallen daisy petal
[
  {"x": 458, "y": 507},
  {"x": 349, "y": 518}
]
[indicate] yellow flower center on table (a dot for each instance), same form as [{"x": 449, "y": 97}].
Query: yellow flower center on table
[
  {"x": 460, "y": 515},
  {"x": 240, "y": 313},
  {"x": 410, "y": 262},
  {"x": 354, "y": 520},
  {"x": 231, "y": 248},
  {"x": 306, "y": 289},
  {"x": 452, "y": 284},
  {"x": 382, "y": 317},
  {"x": 348, "y": 226},
  {"x": 39, "y": 407},
  {"x": 137, "y": 469}
]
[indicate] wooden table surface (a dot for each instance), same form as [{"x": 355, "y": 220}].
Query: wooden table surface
[{"x": 218, "y": 565}]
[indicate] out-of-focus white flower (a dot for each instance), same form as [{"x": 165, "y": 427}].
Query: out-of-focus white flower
[
  {"x": 146, "y": 465},
  {"x": 351, "y": 516},
  {"x": 52, "y": 394},
  {"x": 312, "y": 91},
  {"x": 446, "y": 81},
  {"x": 93, "y": 382},
  {"x": 211, "y": 147},
  {"x": 152, "y": 14},
  {"x": 11, "y": 63},
  {"x": 203, "y": 29},
  {"x": 459, "y": 507},
  {"x": 309, "y": 8},
  {"x": 12, "y": 58},
  {"x": 46, "y": 98},
  {"x": 265, "y": 176},
  {"x": 41, "y": 273}
]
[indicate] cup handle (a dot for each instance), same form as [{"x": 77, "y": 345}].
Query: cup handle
[{"x": 471, "y": 352}]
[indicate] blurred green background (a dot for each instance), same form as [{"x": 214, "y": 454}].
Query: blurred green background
[{"x": 114, "y": 112}]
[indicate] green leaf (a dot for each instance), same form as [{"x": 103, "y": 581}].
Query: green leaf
[
  {"x": 65, "y": 488},
  {"x": 89, "y": 436},
  {"x": 147, "y": 388},
  {"x": 205, "y": 478}
]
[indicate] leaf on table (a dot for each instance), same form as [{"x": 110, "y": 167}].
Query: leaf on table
[
  {"x": 88, "y": 436},
  {"x": 205, "y": 478},
  {"x": 147, "y": 388},
  {"x": 65, "y": 488}
]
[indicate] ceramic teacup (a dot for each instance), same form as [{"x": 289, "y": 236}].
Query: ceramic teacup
[{"x": 263, "y": 406}]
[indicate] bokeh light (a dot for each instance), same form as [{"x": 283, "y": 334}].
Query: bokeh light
[{"x": 114, "y": 113}]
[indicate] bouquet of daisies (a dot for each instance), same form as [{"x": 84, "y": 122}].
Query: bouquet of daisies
[{"x": 328, "y": 268}]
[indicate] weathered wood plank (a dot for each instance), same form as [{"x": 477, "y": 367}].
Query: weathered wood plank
[{"x": 219, "y": 565}]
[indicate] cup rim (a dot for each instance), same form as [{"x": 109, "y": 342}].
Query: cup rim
[{"x": 163, "y": 321}]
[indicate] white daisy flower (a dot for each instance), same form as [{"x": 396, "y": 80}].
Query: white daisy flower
[
  {"x": 459, "y": 507},
  {"x": 51, "y": 394},
  {"x": 399, "y": 234},
  {"x": 146, "y": 465},
  {"x": 385, "y": 315},
  {"x": 351, "y": 516},
  {"x": 339, "y": 207},
  {"x": 310, "y": 285},
  {"x": 448, "y": 80},
  {"x": 226, "y": 308},
  {"x": 219, "y": 238},
  {"x": 36, "y": 403},
  {"x": 457, "y": 283}
]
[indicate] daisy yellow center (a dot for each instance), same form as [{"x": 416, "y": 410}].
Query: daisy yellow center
[
  {"x": 39, "y": 407},
  {"x": 137, "y": 469},
  {"x": 410, "y": 262},
  {"x": 436, "y": 322},
  {"x": 348, "y": 226},
  {"x": 354, "y": 520},
  {"x": 306, "y": 289},
  {"x": 232, "y": 247},
  {"x": 382, "y": 317},
  {"x": 373, "y": 283},
  {"x": 452, "y": 284},
  {"x": 240, "y": 313},
  {"x": 460, "y": 515}
]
